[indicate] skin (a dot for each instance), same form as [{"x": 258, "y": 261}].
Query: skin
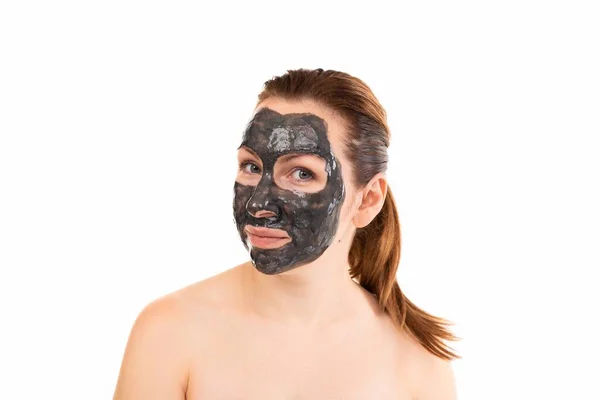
[
  {"x": 309, "y": 332},
  {"x": 307, "y": 207}
]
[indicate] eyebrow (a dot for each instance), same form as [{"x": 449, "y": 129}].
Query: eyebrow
[
  {"x": 291, "y": 156},
  {"x": 249, "y": 150},
  {"x": 286, "y": 157}
]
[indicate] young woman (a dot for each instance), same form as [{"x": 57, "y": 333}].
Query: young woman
[{"x": 317, "y": 312}]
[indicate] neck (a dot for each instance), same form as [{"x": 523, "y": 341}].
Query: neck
[{"x": 313, "y": 295}]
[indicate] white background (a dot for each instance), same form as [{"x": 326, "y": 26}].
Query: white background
[{"x": 119, "y": 122}]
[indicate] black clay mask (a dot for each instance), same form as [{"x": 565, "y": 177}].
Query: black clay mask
[{"x": 310, "y": 219}]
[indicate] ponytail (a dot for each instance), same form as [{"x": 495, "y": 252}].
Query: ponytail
[{"x": 374, "y": 258}]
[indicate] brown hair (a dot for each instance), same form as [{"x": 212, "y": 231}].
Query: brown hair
[{"x": 375, "y": 252}]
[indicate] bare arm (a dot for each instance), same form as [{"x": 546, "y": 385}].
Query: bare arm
[{"x": 154, "y": 365}]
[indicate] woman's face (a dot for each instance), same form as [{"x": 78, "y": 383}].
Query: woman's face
[{"x": 291, "y": 184}]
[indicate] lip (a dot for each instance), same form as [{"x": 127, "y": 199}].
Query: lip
[
  {"x": 266, "y": 238},
  {"x": 266, "y": 232}
]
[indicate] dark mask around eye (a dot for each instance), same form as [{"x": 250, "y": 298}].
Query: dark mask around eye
[{"x": 310, "y": 219}]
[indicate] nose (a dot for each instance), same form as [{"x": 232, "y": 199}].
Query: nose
[
  {"x": 264, "y": 208},
  {"x": 264, "y": 214},
  {"x": 262, "y": 203}
]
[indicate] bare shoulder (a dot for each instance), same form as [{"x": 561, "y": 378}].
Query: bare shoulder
[
  {"x": 162, "y": 343},
  {"x": 431, "y": 377},
  {"x": 154, "y": 363},
  {"x": 182, "y": 308}
]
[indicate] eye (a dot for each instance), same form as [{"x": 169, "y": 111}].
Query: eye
[
  {"x": 254, "y": 169},
  {"x": 302, "y": 175}
]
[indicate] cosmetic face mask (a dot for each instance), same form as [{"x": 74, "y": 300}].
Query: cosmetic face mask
[{"x": 310, "y": 219}]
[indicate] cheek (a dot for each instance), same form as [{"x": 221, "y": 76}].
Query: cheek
[
  {"x": 348, "y": 207},
  {"x": 241, "y": 194},
  {"x": 345, "y": 213}
]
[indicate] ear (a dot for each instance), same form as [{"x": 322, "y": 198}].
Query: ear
[{"x": 371, "y": 201}]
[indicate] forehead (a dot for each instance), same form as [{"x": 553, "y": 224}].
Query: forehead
[
  {"x": 272, "y": 132},
  {"x": 281, "y": 126}
]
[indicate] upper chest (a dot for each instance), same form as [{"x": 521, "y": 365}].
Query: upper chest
[{"x": 246, "y": 361}]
